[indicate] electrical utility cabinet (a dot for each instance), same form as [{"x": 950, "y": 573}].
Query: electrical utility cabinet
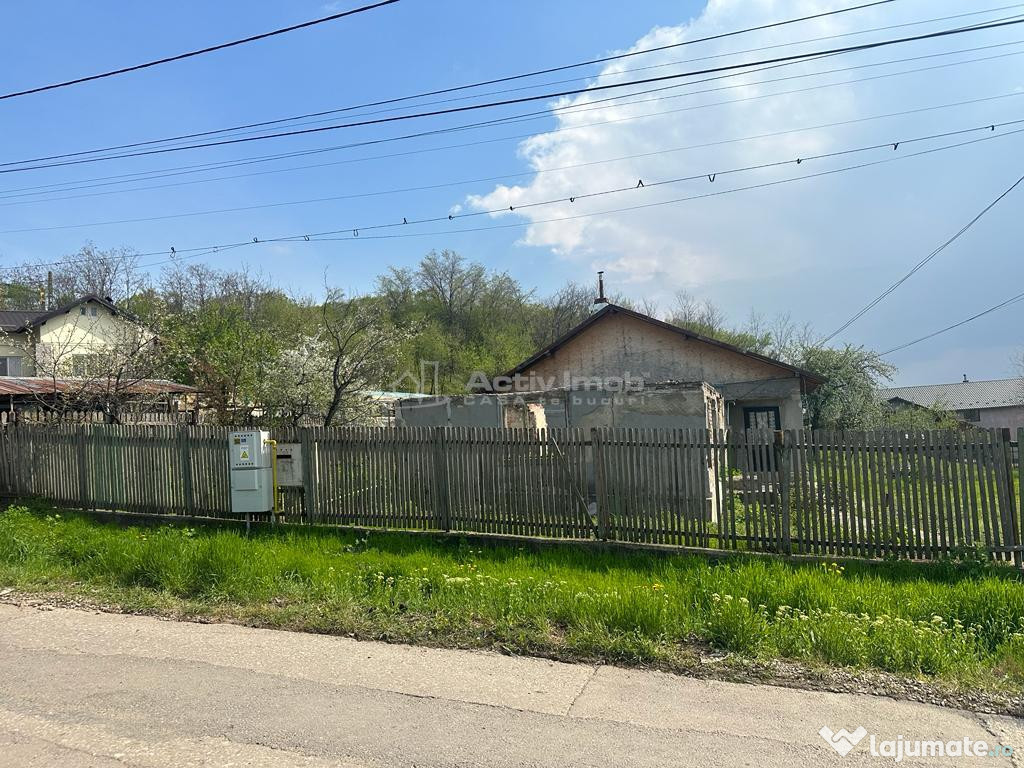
[{"x": 252, "y": 474}]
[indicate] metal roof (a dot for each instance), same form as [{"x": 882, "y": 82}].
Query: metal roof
[
  {"x": 14, "y": 319},
  {"x": 40, "y": 385},
  {"x": 23, "y": 319},
  {"x": 962, "y": 395},
  {"x": 381, "y": 394}
]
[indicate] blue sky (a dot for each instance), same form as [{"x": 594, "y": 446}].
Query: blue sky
[{"x": 815, "y": 249}]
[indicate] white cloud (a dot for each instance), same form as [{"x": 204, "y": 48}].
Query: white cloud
[{"x": 691, "y": 244}]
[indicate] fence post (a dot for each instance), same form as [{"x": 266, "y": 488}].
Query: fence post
[
  {"x": 600, "y": 487},
  {"x": 83, "y": 470},
  {"x": 308, "y": 475},
  {"x": 185, "y": 459},
  {"x": 442, "y": 502},
  {"x": 1012, "y": 536},
  {"x": 1019, "y": 506},
  {"x": 783, "y": 469}
]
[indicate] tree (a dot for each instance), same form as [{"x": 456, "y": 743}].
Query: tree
[
  {"x": 225, "y": 336},
  {"x": 848, "y": 399},
  {"x": 465, "y": 318},
  {"x": 914, "y": 417},
  {"x": 707, "y": 319},
  {"x": 112, "y": 273},
  {"x": 360, "y": 348},
  {"x": 561, "y": 312},
  {"x": 299, "y": 386}
]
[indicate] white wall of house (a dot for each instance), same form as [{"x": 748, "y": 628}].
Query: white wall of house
[
  {"x": 14, "y": 347},
  {"x": 64, "y": 345}
]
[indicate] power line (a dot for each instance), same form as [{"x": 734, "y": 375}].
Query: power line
[
  {"x": 581, "y": 196},
  {"x": 710, "y": 177},
  {"x": 483, "y": 83},
  {"x": 325, "y": 236},
  {"x": 202, "y": 167},
  {"x": 550, "y": 83},
  {"x": 199, "y": 52},
  {"x": 509, "y": 119},
  {"x": 523, "y": 99},
  {"x": 294, "y": 121},
  {"x": 874, "y": 302},
  {"x": 323, "y": 113},
  {"x": 965, "y": 321}
]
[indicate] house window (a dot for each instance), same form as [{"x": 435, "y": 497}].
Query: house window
[
  {"x": 92, "y": 311},
  {"x": 971, "y": 414},
  {"x": 81, "y": 311},
  {"x": 762, "y": 417},
  {"x": 10, "y": 366}
]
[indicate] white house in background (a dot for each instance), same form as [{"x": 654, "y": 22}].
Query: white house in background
[
  {"x": 87, "y": 357},
  {"x": 67, "y": 341},
  {"x": 998, "y": 403}
]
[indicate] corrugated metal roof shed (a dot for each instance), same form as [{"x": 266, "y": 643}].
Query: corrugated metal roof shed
[
  {"x": 962, "y": 395},
  {"x": 39, "y": 385}
]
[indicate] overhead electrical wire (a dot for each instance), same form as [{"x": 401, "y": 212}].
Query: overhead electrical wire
[
  {"x": 493, "y": 81},
  {"x": 199, "y": 52},
  {"x": 338, "y": 110},
  {"x": 497, "y": 177},
  {"x": 582, "y": 196},
  {"x": 519, "y": 100},
  {"x": 965, "y": 321},
  {"x": 878, "y": 299},
  {"x": 71, "y": 186},
  {"x": 325, "y": 236},
  {"x": 511, "y": 119},
  {"x": 617, "y": 73},
  {"x": 560, "y": 111}
]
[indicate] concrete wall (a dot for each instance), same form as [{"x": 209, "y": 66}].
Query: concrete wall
[
  {"x": 623, "y": 346},
  {"x": 468, "y": 411},
  {"x": 693, "y": 406},
  {"x": 785, "y": 395},
  {"x": 1011, "y": 417},
  {"x": 684, "y": 406}
]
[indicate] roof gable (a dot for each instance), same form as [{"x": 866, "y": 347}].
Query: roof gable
[
  {"x": 14, "y": 321},
  {"x": 810, "y": 380}
]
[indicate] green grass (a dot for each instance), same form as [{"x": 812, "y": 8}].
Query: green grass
[{"x": 962, "y": 624}]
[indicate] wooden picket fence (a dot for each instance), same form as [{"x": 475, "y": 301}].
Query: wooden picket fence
[{"x": 917, "y": 495}]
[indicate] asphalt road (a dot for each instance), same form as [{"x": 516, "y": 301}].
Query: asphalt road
[{"x": 85, "y": 689}]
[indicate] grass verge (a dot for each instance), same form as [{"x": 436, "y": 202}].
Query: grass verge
[{"x": 961, "y": 625}]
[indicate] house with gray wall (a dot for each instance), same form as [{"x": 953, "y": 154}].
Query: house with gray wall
[{"x": 992, "y": 404}]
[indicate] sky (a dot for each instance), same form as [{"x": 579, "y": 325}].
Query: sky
[{"x": 813, "y": 241}]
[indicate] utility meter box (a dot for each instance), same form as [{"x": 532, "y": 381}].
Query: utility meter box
[
  {"x": 252, "y": 474},
  {"x": 289, "y": 464}
]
